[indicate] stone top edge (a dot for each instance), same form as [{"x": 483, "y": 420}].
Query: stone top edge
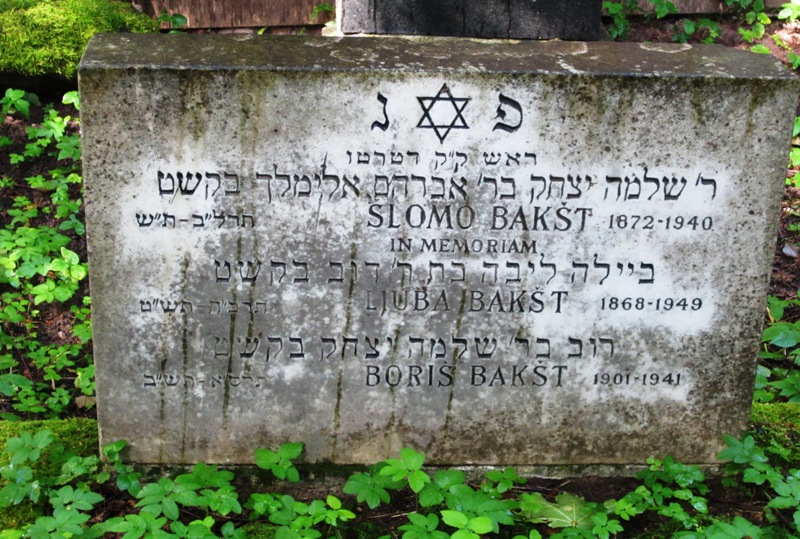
[{"x": 214, "y": 52}]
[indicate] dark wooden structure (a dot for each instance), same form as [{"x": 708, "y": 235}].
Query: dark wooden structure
[{"x": 219, "y": 14}]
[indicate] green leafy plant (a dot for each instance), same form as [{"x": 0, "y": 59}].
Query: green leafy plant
[
  {"x": 321, "y": 9},
  {"x": 794, "y": 153},
  {"x": 779, "y": 376},
  {"x": 203, "y": 503},
  {"x": 280, "y": 462},
  {"x": 16, "y": 101},
  {"x": 408, "y": 467},
  {"x": 686, "y": 29},
  {"x": 779, "y": 41},
  {"x": 372, "y": 487},
  {"x": 68, "y": 492},
  {"x": 324, "y": 9},
  {"x": 297, "y": 520},
  {"x": 671, "y": 487},
  {"x": 760, "y": 49},
  {"x": 501, "y": 481},
  {"x": 163, "y": 505},
  {"x": 466, "y": 527},
  {"x": 174, "y": 21},
  {"x": 475, "y": 503},
  {"x": 38, "y": 266},
  {"x": 205, "y": 487},
  {"x": 620, "y": 12},
  {"x": 662, "y": 8},
  {"x": 780, "y": 489},
  {"x": 128, "y": 479},
  {"x": 445, "y": 483},
  {"x": 790, "y": 11},
  {"x": 422, "y": 527},
  {"x": 21, "y": 484},
  {"x": 754, "y": 16},
  {"x": 566, "y": 511}
]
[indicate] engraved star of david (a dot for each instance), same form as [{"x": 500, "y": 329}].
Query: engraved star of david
[{"x": 447, "y": 109}]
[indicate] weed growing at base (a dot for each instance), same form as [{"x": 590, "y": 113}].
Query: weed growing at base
[
  {"x": 685, "y": 28},
  {"x": 778, "y": 374}
]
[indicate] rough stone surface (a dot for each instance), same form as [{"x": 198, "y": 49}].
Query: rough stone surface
[
  {"x": 507, "y": 253},
  {"x": 517, "y": 19}
]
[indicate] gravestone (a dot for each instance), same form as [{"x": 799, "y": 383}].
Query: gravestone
[
  {"x": 515, "y": 19},
  {"x": 516, "y": 253}
]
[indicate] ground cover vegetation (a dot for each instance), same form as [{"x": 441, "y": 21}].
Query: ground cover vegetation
[{"x": 54, "y": 485}]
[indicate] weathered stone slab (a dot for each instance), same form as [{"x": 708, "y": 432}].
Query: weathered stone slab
[
  {"x": 506, "y": 253},
  {"x": 578, "y": 20}
]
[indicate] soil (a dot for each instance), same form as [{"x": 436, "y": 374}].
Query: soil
[{"x": 57, "y": 320}]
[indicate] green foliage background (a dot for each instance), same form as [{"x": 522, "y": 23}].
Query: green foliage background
[{"x": 40, "y": 37}]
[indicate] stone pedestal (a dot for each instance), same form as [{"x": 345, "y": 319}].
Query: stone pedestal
[{"x": 516, "y": 253}]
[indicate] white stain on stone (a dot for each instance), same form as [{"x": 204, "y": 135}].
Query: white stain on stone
[{"x": 668, "y": 48}]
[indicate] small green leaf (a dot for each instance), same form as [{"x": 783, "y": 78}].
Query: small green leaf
[
  {"x": 11, "y": 383},
  {"x": 456, "y": 519},
  {"x": 445, "y": 479},
  {"x": 367, "y": 489},
  {"x": 430, "y": 495},
  {"x": 417, "y": 480},
  {"x": 532, "y": 535},
  {"x": 266, "y": 459},
  {"x": 412, "y": 459},
  {"x": 170, "y": 509},
  {"x": 464, "y": 534},
  {"x": 776, "y": 305},
  {"x": 292, "y": 475},
  {"x": 72, "y": 98},
  {"x": 480, "y": 525},
  {"x": 782, "y": 334},
  {"x": 290, "y": 451},
  {"x": 567, "y": 511}
]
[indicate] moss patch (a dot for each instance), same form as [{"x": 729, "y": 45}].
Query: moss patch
[
  {"x": 259, "y": 531},
  {"x": 48, "y": 36},
  {"x": 78, "y": 436},
  {"x": 779, "y": 422}
]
